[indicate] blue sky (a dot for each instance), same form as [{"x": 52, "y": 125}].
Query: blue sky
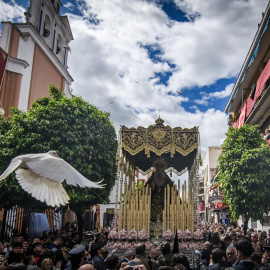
[{"x": 131, "y": 58}]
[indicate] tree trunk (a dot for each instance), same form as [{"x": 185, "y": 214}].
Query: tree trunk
[
  {"x": 3, "y": 229},
  {"x": 246, "y": 225},
  {"x": 80, "y": 223}
]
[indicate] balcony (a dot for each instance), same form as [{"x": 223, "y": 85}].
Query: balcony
[{"x": 215, "y": 199}]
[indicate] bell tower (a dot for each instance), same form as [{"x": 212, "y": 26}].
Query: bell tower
[
  {"x": 45, "y": 16},
  {"x": 37, "y": 55}
]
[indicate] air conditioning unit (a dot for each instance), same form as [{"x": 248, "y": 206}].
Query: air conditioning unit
[{"x": 230, "y": 119}]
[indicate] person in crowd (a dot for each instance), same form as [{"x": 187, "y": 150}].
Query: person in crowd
[
  {"x": 180, "y": 259},
  {"x": 112, "y": 262},
  {"x": 166, "y": 255},
  {"x": 218, "y": 260},
  {"x": 20, "y": 238},
  {"x": 231, "y": 255},
  {"x": 127, "y": 257},
  {"x": 46, "y": 264},
  {"x": 206, "y": 253},
  {"x": 74, "y": 240},
  {"x": 74, "y": 228},
  {"x": 56, "y": 244},
  {"x": 35, "y": 240},
  {"x": 87, "y": 266},
  {"x": 267, "y": 135},
  {"x": 256, "y": 257},
  {"x": 140, "y": 257},
  {"x": 99, "y": 253},
  {"x": 255, "y": 242},
  {"x": 25, "y": 245},
  {"x": 153, "y": 255},
  {"x": 15, "y": 266},
  {"x": 215, "y": 242},
  {"x": 244, "y": 251},
  {"x": 16, "y": 254},
  {"x": 37, "y": 251},
  {"x": 29, "y": 262},
  {"x": 77, "y": 255}
]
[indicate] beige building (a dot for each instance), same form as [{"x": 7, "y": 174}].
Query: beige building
[{"x": 211, "y": 196}]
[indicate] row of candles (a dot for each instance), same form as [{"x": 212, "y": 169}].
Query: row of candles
[{"x": 135, "y": 209}]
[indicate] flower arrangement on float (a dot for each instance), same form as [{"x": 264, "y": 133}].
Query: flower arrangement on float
[
  {"x": 180, "y": 235},
  {"x": 187, "y": 234},
  {"x": 168, "y": 235},
  {"x": 133, "y": 235},
  {"x": 143, "y": 235},
  {"x": 192, "y": 245},
  {"x": 198, "y": 235},
  {"x": 113, "y": 234},
  {"x": 123, "y": 235}
]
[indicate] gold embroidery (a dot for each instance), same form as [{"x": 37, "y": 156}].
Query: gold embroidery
[{"x": 159, "y": 139}]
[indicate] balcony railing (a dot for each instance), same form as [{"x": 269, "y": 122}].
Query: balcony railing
[{"x": 215, "y": 199}]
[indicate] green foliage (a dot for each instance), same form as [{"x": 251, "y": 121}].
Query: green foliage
[
  {"x": 244, "y": 172},
  {"x": 79, "y": 132}
]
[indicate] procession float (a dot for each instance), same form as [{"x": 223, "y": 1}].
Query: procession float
[{"x": 158, "y": 209}]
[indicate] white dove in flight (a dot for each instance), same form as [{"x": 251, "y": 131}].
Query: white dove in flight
[{"x": 41, "y": 176}]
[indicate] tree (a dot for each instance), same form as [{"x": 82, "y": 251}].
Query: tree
[
  {"x": 245, "y": 173},
  {"x": 79, "y": 132}
]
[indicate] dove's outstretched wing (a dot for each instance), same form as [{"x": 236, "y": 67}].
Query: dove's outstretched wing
[
  {"x": 43, "y": 189},
  {"x": 57, "y": 169},
  {"x": 14, "y": 164}
]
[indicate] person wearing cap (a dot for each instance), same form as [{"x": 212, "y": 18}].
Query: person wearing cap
[
  {"x": 77, "y": 255},
  {"x": 99, "y": 253}
]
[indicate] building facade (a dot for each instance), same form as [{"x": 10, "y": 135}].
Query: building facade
[
  {"x": 249, "y": 102},
  {"x": 37, "y": 55},
  {"x": 212, "y": 193}
]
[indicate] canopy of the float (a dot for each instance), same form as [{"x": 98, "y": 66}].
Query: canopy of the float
[{"x": 178, "y": 147}]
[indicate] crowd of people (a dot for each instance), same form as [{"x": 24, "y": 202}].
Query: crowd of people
[{"x": 224, "y": 247}]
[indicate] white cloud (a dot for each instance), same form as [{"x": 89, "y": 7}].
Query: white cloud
[
  {"x": 222, "y": 94},
  {"x": 214, "y": 95},
  {"x": 201, "y": 102},
  {"x": 112, "y": 69},
  {"x": 11, "y": 11},
  {"x": 107, "y": 59},
  {"x": 69, "y": 6}
]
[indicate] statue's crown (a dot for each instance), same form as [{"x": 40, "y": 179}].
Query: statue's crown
[{"x": 159, "y": 121}]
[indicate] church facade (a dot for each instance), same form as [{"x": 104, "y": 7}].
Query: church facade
[{"x": 37, "y": 55}]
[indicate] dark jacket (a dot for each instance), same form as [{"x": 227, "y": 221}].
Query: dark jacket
[
  {"x": 245, "y": 265},
  {"x": 124, "y": 260},
  {"x": 99, "y": 263}
]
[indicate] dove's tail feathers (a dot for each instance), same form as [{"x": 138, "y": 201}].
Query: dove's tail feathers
[
  {"x": 41, "y": 188},
  {"x": 91, "y": 184},
  {"x": 99, "y": 181},
  {"x": 10, "y": 169}
]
